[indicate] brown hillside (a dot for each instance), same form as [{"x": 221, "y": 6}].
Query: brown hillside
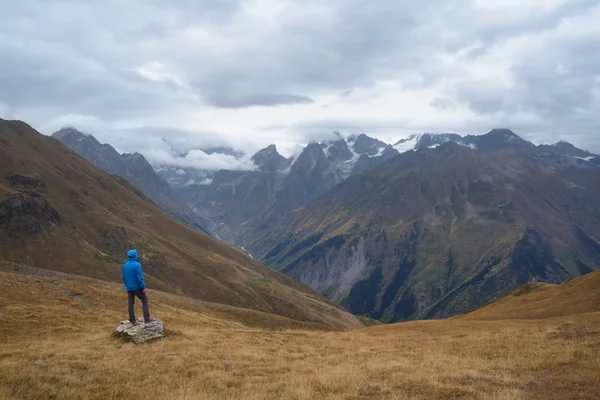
[
  {"x": 538, "y": 300},
  {"x": 58, "y": 212}
]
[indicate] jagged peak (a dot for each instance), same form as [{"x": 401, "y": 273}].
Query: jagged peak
[
  {"x": 135, "y": 157},
  {"x": 501, "y": 132},
  {"x": 367, "y": 144},
  {"x": 269, "y": 159},
  {"x": 361, "y": 137},
  {"x": 500, "y": 138},
  {"x": 110, "y": 148},
  {"x": 71, "y": 132},
  {"x": 337, "y": 141},
  {"x": 313, "y": 145},
  {"x": 269, "y": 150},
  {"x": 312, "y": 151},
  {"x": 566, "y": 148},
  {"x": 564, "y": 145}
]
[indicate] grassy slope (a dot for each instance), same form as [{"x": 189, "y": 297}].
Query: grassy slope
[
  {"x": 101, "y": 216},
  {"x": 274, "y": 357},
  {"x": 538, "y": 300}
]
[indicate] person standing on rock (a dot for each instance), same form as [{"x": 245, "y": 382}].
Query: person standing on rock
[{"x": 133, "y": 278}]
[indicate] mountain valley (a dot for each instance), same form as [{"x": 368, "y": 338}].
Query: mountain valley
[{"x": 430, "y": 227}]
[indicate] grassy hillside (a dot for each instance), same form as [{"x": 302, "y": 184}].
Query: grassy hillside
[
  {"x": 539, "y": 300},
  {"x": 55, "y": 347},
  {"x": 58, "y": 212}
]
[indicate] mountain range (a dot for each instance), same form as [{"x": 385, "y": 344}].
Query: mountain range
[
  {"x": 245, "y": 205},
  {"x": 440, "y": 231},
  {"x": 432, "y": 226}
]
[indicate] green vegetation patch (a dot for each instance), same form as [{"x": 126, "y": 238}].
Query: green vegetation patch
[{"x": 259, "y": 279}]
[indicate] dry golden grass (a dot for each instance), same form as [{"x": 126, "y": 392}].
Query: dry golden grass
[{"x": 77, "y": 358}]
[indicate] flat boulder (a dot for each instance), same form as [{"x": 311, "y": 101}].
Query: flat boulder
[{"x": 141, "y": 332}]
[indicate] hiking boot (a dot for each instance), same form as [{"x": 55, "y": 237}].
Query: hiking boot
[
  {"x": 149, "y": 320},
  {"x": 133, "y": 322}
]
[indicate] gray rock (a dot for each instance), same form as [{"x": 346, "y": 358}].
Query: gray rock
[
  {"x": 40, "y": 364},
  {"x": 141, "y": 332}
]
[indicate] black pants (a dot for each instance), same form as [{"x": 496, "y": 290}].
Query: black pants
[{"x": 143, "y": 298}]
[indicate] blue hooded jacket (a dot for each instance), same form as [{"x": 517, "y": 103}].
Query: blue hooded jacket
[{"x": 133, "y": 278}]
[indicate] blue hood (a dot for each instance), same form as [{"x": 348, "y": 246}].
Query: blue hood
[
  {"x": 132, "y": 274},
  {"x": 132, "y": 255}
]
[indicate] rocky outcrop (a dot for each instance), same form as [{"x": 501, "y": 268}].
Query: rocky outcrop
[
  {"x": 141, "y": 332},
  {"x": 24, "y": 182},
  {"x": 27, "y": 213}
]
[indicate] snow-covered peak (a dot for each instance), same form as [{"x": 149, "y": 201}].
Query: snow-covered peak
[
  {"x": 408, "y": 144},
  {"x": 426, "y": 141}
]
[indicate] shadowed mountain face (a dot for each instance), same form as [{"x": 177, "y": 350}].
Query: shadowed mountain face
[
  {"x": 59, "y": 212},
  {"x": 245, "y": 205},
  {"x": 440, "y": 231},
  {"x": 133, "y": 167}
]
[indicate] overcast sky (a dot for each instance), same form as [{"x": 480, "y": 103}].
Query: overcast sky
[{"x": 255, "y": 72}]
